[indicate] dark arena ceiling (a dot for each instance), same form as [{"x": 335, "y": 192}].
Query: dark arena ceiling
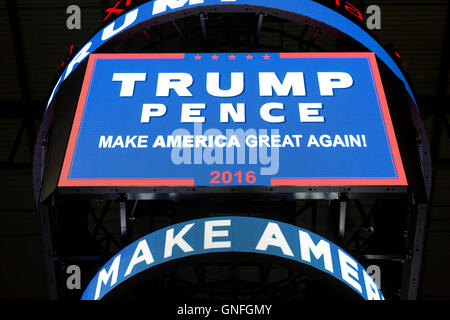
[{"x": 35, "y": 40}]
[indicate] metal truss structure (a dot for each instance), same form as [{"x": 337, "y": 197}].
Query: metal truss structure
[{"x": 385, "y": 233}]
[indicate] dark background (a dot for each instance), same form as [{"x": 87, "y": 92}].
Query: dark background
[{"x": 34, "y": 40}]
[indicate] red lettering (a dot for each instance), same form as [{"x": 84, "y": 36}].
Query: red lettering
[
  {"x": 227, "y": 177},
  {"x": 69, "y": 52},
  {"x": 216, "y": 178},
  {"x": 401, "y": 60},
  {"x": 250, "y": 177},
  {"x": 353, "y": 10},
  {"x": 239, "y": 176},
  {"x": 115, "y": 9}
]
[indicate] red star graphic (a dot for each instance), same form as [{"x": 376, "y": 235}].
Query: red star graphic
[
  {"x": 249, "y": 57},
  {"x": 232, "y": 57},
  {"x": 266, "y": 57},
  {"x": 197, "y": 57},
  {"x": 215, "y": 57}
]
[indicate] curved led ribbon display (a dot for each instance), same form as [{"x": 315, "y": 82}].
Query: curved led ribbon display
[
  {"x": 232, "y": 234},
  {"x": 158, "y": 8}
]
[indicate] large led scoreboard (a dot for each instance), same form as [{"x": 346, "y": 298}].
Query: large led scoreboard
[
  {"x": 259, "y": 125},
  {"x": 267, "y": 119}
]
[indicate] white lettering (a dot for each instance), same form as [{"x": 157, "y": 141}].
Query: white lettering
[
  {"x": 109, "y": 31},
  {"x": 227, "y": 110},
  {"x": 105, "y": 142},
  {"x": 272, "y": 236},
  {"x": 152, "y": 110},
  {"x": 104, "y": 276},
  {"x": 190, "y": 112},
  {"x": 349, "y": 270},
  {"x": 269, "y": 82},
  {"x": 333, "y": 80},
  {"x": 128, "y": 82},
  {"x": 309, "y": 113},
  {"x": 213, "y": 86},
  {"x": 265, "y": 112},
  {"x": 178, "y": 240},
  {"x": 210, "y": 233},
  {"x": 371, "y": 287},
  {"x": 141, "y": 254},
  {"x": 321, "y": 249},
  {"x": 83, "y": 53},
  {"x": 176, "y": 81}
]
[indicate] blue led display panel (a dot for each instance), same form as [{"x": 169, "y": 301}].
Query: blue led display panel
[{"x": 235, "y": 119}]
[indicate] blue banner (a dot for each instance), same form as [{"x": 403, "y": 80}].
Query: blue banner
[
  {"x": 234, "y": 119},
  {"x": 232, "y": 234}
]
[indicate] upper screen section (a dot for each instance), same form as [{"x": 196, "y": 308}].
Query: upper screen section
[
  {"x": 149, "y": 12},
  {"x": 224, "y": 119}
]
